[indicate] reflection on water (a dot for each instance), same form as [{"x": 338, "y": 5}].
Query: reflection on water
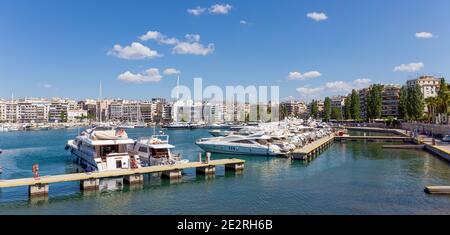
[{"x": 348, "y": 178}]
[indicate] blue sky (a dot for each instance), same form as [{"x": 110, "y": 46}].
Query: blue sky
[{"x": 65, "y": 48}]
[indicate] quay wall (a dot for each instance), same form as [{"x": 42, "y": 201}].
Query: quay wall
[{"x": 438, "y": 130}]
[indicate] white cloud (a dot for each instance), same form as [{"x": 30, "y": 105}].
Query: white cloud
[
  {"x": 300, "y": 76},
  {"x": 48, "y": 86},
  {"x": 361, "y": 81},
  {"x": 191, "y": 45},
  {"x": 196, "y": 11},
  {"x": 317, "y": 16},
  {"x": 243, "y": 22},
  {"x": 411, "y": 67},
  {"x": 193, "y": 48},
  {"x": 220, "y": 9},
  {"x": 424, "y": 35},
  {"x": 149, "y": 75},
  {"x": 159, "y": 37},
  {"x": 308, "y": 91},
  {"x": 133, "y": 52},
  {"x": 193, "y": 37},
  {"x": 338, "y": 86},
  {"x": 171, "y": 71}
]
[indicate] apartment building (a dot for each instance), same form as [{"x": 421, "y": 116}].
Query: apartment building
[
  {"x": 390, "y": 98},
  {"x": 428, "y": 84}
]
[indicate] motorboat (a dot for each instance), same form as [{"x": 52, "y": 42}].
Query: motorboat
[
  {"x": 177, "y": 125},
  {"x": 155, "y": 150},
  {"x": 103, "y": 149},
  {"x": 238, "y": 144}
]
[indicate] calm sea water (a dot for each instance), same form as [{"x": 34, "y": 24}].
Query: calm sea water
[{"x": 350, "y": 178}]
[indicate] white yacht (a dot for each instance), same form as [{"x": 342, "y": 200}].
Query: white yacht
[
  {"x": 177, "y": 125},
  {"x": 155, "y": 150},
  {"x": 237, "y": 144},
  {"x": 102, "y": 149}
]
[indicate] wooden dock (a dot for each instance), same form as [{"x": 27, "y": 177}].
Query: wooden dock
[
  {"x": 437, "y": 189},
  {"x": 91, "y": 180},
  {"x": 403, "y": 139},
  {"x": 313, "y": 149}
]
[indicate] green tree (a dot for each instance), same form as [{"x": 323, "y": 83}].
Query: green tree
[
  {"x": 336, "y": 113},
  {"x": 443, "y": 99},
  {"x": 374, "y": 99},
  {"x": 415, "y": 102},
  {"x": 347, "y": 111},
  {"x": 314, "y": 109},
  {"x": 355, "y": 105},
  {"x": 327, "y": 109},
  {"x": 432, "y": 104},
  {"x": 403, "y": 104}
]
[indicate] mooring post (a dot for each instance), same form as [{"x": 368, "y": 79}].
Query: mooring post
[{"x": 200, "y": 157}]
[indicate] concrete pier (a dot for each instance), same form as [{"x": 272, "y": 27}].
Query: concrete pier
[
  {"x": 89, "y": 184},
  {"x": 313, "y": 149},
  {"x": 206, "y": 170},
  {"x": 38, "y": 190},
  {"x": 91, "y": 180},
  {"x": 133, "y": 179}
]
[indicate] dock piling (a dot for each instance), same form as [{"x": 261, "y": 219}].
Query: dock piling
[
  {"x": 234, "y": 166},
  {"x": 89, "y": 184},
  {"x": 133, "y": 179},
  {"x": 206, "y": 170},
  {"x": 173, "y": 174},
  {"x": 38, "y": 190}
]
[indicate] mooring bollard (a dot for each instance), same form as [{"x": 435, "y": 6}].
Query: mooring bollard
[
  {"x": 200, "y": 157},
  {"x": 208, "y": 157}
]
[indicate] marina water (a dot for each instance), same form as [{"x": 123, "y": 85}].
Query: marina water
[{"x": 348, "y": 178}]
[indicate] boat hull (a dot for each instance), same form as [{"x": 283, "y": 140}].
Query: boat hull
[{"x": 236, "y": 150}]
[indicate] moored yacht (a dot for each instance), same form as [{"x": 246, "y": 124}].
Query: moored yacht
[
  {"x": 155, "y": 150},
  {"x": 237, "y": 144},
  {"x": 102, "y": 149}
]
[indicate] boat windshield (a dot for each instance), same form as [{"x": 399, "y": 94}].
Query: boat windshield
[
  {"x": 162, "y": 138},
  {"x": 262, "y": 141}
]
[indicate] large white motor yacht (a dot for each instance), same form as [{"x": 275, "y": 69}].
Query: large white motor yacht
[
  {"x": 155, "y": 150},
  {"x": 238, "y": 144},
  {"x": 102, "y": 149}
]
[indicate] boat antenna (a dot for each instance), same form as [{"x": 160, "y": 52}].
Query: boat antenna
[
  {"x": 178, "y": 85},
  {"x": 99, "y": 103}
]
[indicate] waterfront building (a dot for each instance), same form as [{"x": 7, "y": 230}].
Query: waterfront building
[
  {"x": 2, "y": 111},
  {"x": 363, "y": 102},
  {"x": 167, "y": 112},
  {"x": 390, "y": 98},
  {"x": 76, "y": 115},
  {"x": 115, "y": 110},
  {"x": 338, "y": 102},
  {"x": 30, "y": 110},
  {"x": 145, "y": 109},
  {"x": 58, "y": 110},
  {"x": 428, "y": 84}
]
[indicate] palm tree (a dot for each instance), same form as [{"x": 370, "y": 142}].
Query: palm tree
[{"x": 432, "y": 104}]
